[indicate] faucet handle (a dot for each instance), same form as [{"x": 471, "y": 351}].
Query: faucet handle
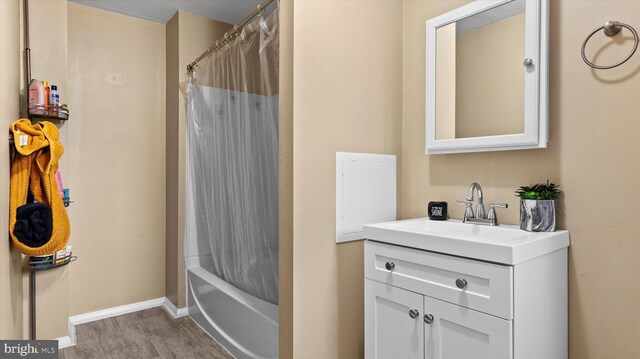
[
  {"x": 468, "y": 213},
  {"x": 498, "y": 205},
  {"x": 492, "y": 210}
]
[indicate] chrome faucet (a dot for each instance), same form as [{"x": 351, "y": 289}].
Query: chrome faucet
[
  {"x": 475, "y": 187},
  {"x": 479, "y": 217}
]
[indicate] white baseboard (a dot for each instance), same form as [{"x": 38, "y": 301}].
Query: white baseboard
[
  {"x": 75, "y": 320},
  {"x": 65, "y": 342},
  {"x": 115, "y": 311},
  {"x": 171, "y": 309}
]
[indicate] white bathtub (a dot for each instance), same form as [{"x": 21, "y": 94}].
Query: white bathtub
[{"x": 245, "y": 325}]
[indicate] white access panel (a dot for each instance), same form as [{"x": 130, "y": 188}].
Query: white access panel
[{"x": 365, "y": 192}]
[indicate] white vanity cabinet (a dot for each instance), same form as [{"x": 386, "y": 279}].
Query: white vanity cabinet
[
  {"x": 441, "y": 305},
  {"x": 393, "y": 331}
]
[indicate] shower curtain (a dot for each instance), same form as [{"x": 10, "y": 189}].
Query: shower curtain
[{"x": 232, "y": 114}]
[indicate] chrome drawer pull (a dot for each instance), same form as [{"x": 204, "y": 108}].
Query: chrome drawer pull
[
  {"x": 413, "y": 313},
  {"x": 461, "y": 283},
  {"x": 390, "y": 266}
]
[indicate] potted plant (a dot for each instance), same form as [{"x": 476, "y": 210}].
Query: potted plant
[{"x": 538, "y": 207}]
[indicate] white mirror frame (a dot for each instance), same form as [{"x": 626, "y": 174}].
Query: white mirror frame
[{"x": 536, "y": 108}]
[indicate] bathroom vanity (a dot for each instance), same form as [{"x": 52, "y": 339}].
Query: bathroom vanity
[{"x": 452, "y": 290}]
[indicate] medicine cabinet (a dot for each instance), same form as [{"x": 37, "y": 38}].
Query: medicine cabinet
[{"x": 487, "y": 77}]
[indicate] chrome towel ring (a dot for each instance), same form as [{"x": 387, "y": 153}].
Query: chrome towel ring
[{"x": 611, "y": 28}]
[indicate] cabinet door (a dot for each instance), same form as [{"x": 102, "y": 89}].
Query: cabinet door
[
  {"x": 457, "y": 332},
  {"x": 392, "y": 331}
]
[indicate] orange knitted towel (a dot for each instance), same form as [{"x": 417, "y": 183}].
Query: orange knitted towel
[{"x": 34, "y": 168}]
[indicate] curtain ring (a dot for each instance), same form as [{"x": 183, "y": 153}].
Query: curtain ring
[
  {"x": 261, "y": 11},
  {"x": 238, "y": 31}
]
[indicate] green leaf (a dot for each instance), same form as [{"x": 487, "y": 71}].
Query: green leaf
[{"x": 539, "y": 191}]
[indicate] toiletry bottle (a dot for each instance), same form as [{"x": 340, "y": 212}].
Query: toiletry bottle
[
  {"x": 59, "y": 183},
  {"x": 36, "y": 94},
  {"x": 46, "y": 93},
  {"x": 54, "y": 97}
]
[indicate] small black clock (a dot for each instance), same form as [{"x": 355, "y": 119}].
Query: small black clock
[{"x": 437, "y": 211}]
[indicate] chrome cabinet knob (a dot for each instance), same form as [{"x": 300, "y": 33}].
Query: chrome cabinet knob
[
  {"x": 527, "y": 62},
  {"x": 428, "y": 318},
  {"x": 413, "y": 313},
  {"x": 390, "y": 266},
  {"x": 461, "y": 283}
]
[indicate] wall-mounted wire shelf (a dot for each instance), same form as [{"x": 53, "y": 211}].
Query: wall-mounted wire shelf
[
  {"x": 49, "y": 112},
  {"x": 38, "y": 264},
  {"x": 42, "y": 263},
  {"x": 38, "y": 113}
]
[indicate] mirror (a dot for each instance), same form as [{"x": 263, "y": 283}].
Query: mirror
[
  {"x": 486, "y": 48},
  {"x": 487, "y": 77}
]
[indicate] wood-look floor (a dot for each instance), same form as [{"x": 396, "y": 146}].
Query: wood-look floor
[{"x": 147, "y": 334}]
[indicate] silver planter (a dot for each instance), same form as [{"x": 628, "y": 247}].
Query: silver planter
[{"x": 538, "y": 215}]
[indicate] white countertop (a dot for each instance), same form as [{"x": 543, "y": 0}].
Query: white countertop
[{"x": 504, "y": 244}]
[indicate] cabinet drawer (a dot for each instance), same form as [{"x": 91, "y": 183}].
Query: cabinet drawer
[{"x": 488, "y": 286}]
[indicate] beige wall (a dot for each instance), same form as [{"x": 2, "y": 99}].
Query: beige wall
[
  {"x": 188, "y": 36},
  {"x": 116, "y": 155},
  {"x": 492, "y": 55},
  {"x": 48, "y": 36},
  {"x": 593, "y": 155},
  {"x": 172, "y": 134},
  {"x": 285, "y": 178},
  {"x": 11, "y": 299},
  {"x": 347, "y": 93},
  {"x": 446, "y": 82}
]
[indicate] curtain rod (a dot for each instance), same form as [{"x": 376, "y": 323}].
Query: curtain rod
[{"x": 226, "y": 38}]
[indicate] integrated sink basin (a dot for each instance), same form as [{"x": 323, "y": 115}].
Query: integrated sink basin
[{"x": 501, "y": 244}]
